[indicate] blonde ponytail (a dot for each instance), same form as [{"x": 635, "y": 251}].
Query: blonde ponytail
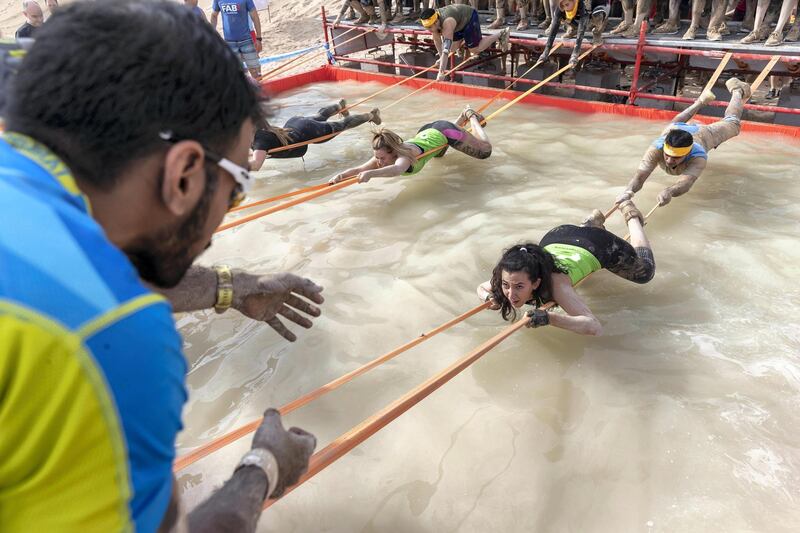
[{"x": 390, "y": 141}]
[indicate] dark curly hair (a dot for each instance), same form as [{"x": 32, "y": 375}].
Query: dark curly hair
[{"x": 534, "y": 261}]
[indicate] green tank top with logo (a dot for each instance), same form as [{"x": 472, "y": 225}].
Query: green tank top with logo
[
  {"x": 426, "y": 140},
  {"x": 577, "y": 261}
]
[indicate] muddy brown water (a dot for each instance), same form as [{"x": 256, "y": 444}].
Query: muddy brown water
[{"x": 681, "y": 417}]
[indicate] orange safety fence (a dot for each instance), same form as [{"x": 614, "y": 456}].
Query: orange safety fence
[
  {"x": 224, "y": 440},
  {"x": 572, "y": 105}
]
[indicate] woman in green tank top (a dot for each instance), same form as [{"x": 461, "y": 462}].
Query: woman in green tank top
[
  {"x": 539, "y": 273},
  {"x": 394, "y": 157}
]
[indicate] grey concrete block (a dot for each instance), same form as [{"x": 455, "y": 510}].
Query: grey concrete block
[
  {"x": 790, "y": 97},
  {"x": 537, "y": 74},
  {"x": 667, "y": 86},
  {"x": 417, "y": 59},
  {"x": 492, "y": 67},
  {"x": 366, "y": 42},
  {"x": 387, "y": 58},
  {"x": 606, "y": 77}
]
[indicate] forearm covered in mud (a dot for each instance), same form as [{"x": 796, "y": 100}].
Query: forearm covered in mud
[
  {"x": 197, "y": 290},
  {"x": 236, "y": 507},
  {"x": 682, "y": 186}
]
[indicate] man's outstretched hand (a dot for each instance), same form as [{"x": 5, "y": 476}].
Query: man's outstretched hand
[{"x": 265, "y": 297}]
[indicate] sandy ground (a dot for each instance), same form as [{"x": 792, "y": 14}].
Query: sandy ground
[{"x": 295, "y": 23}]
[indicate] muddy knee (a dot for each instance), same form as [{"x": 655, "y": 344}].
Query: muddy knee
[{"x": 645, "y": 267}]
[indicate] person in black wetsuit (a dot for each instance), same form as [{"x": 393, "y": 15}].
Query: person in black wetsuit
[
  {"x": 302, "y": 129},
  {"x": 536, "y": 274},
  {"x": 577, "y": 13}
]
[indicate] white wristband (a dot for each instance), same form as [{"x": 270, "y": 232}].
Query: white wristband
[{"x": 263, "y": 459}]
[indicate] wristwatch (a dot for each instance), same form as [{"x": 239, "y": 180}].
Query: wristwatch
[
  {"x": 262, "y": 458},
  {"x": 224, "y": 288}
]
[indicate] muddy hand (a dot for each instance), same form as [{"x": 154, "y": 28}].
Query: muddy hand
[{"x": 292, "y": 449}]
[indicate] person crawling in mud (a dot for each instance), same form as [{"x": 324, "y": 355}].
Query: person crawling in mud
[
  {"x": 536, "y": 274},
  {"x": 394, "y": 157},
  {"x": 577, "y": 13},
  {"x": 303, "y": 129},
  {"x": 682, "y": 150}
]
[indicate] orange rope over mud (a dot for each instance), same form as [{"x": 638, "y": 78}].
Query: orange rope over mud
[
  {"x": 392, "y": 86},
  {"x": 334, "y": 134},
  {"x": 763, "y": 74},
  {"x": 248, "y": 428},
  {"x": 327, "y": 190},
  {"x": 540, "y": 84},
  {"x": 304, "y": 190},
  {"x": 370, "y": 426},
  {"x": 379, "y": 420},
  {"x": 510, "y": 85},
  {"x": 714, "y": 77},
  {"x": 412, "y": 93},
  {"x": 520, "y": 97}
]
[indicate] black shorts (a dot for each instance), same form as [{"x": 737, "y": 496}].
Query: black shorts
[
  {"x": 301, "y": 129},
  {"x": 609, "y": 249},
  {"x": 452, "y": 133}
]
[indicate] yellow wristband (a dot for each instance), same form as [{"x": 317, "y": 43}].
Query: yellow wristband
[{"x": 224, "y": 288}]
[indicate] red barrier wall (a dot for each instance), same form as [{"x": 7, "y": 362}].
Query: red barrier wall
[{"x": 330, "y": 73}]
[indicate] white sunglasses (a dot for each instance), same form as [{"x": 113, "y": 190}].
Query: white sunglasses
[{"x": 242, "y": 176}]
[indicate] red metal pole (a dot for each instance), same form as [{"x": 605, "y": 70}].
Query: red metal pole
[
  {"x": 600, "y": 90},
  {"x": 638, "y": 65},
  {"x": 664, "y": 49},
  {"x": 655, "y": 81},
  {"x": 755, "y": 107},
  {"x": 787, "y": 58},
  {"x": 325, "y": 32},
  {"x": 719, "y": 54},
  {"x": 376, "y": 62}
]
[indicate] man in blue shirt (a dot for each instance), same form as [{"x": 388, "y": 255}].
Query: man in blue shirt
[
  {"x": 236, "y": 29},
  {"x": 109, "y": 184},
  {"x": 682, "y": 149}
]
